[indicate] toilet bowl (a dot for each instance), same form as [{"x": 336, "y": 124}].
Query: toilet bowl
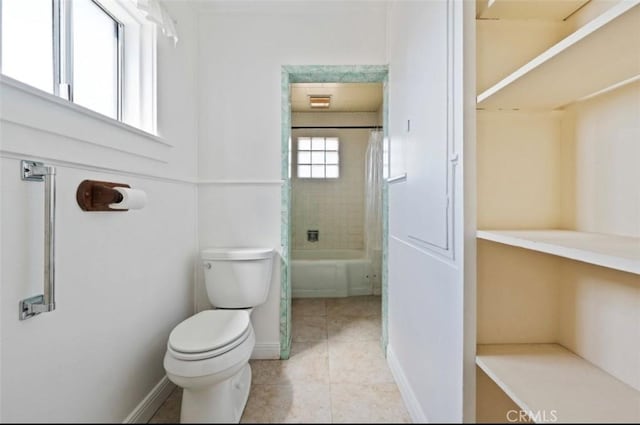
[{"x": 208, "y": 353}]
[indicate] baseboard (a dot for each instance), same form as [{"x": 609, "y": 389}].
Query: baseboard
[
  {"x": 354, "y": 292},
  {"x": 330, "y": 293},
  {"x": 318, "y": 293},
  {"x": 266, "y": 351},
  {"x": 410, "y": 400},
  {"x": 150, "y": 404}
]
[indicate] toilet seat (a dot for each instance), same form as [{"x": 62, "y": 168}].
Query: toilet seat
[{"x": 209, "y": 334}]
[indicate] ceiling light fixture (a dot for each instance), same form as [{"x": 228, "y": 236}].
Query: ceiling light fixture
[{"x": 319, "y": 101}]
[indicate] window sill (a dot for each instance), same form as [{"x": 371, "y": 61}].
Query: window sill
[{"x": 30, "y": 107}]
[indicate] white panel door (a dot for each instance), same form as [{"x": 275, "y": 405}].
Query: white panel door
[
  {"x": 420, "y": 93},
  {"x": 431, "y": 279},
  {"x": 427, "y": 124}
]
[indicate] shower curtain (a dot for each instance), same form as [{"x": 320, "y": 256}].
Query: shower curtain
[{"x": 373, "y": 198}]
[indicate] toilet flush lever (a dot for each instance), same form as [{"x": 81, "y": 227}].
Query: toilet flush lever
[{"x": 207, "y": 265}]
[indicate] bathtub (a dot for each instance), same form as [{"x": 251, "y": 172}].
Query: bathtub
[{"x": 330, "y": 273}]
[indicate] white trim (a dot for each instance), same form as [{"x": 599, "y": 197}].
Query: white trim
[
  {"x": 151, "y": 403},
  {"x": 320, "y": 293},
  {"x": 92, "y": 168},
  {"x": 266, "y": 351},
  {"x": 411, "y": 243},
  {"x": 332, "y": 292},
  {"x": 33, "y": 91},
  {"x": 355, "y": 292},
  {"x": 82, "y": 140},
  {"x": 122, "y": 172},
  {"x": 30, "y": 108},
  {"x": 610, "y": 88},
  {"x": 242, "y": 182},
  {"x": 409, "y": 398},
  {"x": 400, "y": 178}
]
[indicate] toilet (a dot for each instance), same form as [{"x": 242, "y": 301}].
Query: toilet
[{"x": 208, "y": 353}]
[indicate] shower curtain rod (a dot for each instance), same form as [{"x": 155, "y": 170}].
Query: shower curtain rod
[{"x": 340, "y": 127}]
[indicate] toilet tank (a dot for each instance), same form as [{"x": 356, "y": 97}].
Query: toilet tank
[{"x": 237, "y": 277}]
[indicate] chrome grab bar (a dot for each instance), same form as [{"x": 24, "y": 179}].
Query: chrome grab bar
[{"x": 37, "y": 171}]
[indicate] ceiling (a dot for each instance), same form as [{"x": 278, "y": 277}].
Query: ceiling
[{"x": 345, "y": 97}]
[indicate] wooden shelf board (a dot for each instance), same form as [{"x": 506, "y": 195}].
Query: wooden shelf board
[
  {"x": 615, "y": 252},
  {"x": 528, "y": 9},
  {"x": 548, "y": 377},
  {"x": 601, "y": 54}
]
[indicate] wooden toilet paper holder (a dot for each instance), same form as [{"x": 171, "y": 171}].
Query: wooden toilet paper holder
[{"x": 93, "y": 195}]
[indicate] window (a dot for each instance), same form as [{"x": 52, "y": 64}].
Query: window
[
  {"x": 27, "y": 42},
  {"x": 77, "y": 50},
  {"x": 318, "y": 157},
  {"x": 96, "y": 80}
]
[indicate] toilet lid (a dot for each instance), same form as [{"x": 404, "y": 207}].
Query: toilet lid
[{"x": 209, "y": 330}]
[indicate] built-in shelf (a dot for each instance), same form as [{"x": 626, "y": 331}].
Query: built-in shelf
[
  {"x": 397, "y": 179},
  {"x": 601, "y": 54},
  {"x": 528, "y": 9},
  {"x": 552, "y": 382},
  {"x": 615, "y": 252}
]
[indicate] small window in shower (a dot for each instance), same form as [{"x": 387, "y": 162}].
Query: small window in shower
[{"x": 318, "y": 158}]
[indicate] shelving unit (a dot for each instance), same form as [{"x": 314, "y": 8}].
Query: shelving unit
[
  {"x": 528, "y": 9},
  {"x": 549, "y": 379},
  {"x": 558, "y": 338},
  {"x": 557, "y": 77},
  {"x": 615, "y": 252}
]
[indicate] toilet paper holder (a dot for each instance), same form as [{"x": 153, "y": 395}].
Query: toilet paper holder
[{"x": 94, "y": 195}]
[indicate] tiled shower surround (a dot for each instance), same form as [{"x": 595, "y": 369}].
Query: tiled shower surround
[
  {"x": 334, "y": 207},
  {"x": 320, "y": 73}
]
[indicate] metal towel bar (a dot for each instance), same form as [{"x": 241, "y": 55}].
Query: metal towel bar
[{"x": 37, "y": 171}]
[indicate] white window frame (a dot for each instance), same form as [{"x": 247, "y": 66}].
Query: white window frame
[
  {"x": 63, "y": 56},
  {"x": 139, "y": 65},
  {"x": 311, "y": 151}
]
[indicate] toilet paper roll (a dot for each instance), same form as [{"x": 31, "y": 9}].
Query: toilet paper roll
[{"x": 132, "y": 199}]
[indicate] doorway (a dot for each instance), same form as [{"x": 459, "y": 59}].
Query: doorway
[{"x": 322, "y": 74}]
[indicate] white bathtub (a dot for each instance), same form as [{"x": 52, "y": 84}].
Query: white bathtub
[{"x": 330, "y": 273}]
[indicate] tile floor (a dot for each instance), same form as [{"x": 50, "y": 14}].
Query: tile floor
[{"x": 336, "y": 373}]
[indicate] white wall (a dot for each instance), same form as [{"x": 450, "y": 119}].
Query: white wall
[
  {"x": 601, "y": 307},
  {"x": 124, "y": 280},
  {"x": 607, "y": 199},
  {"x": 519, "y": 146},
  {"x": 242, "y": 47}
]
